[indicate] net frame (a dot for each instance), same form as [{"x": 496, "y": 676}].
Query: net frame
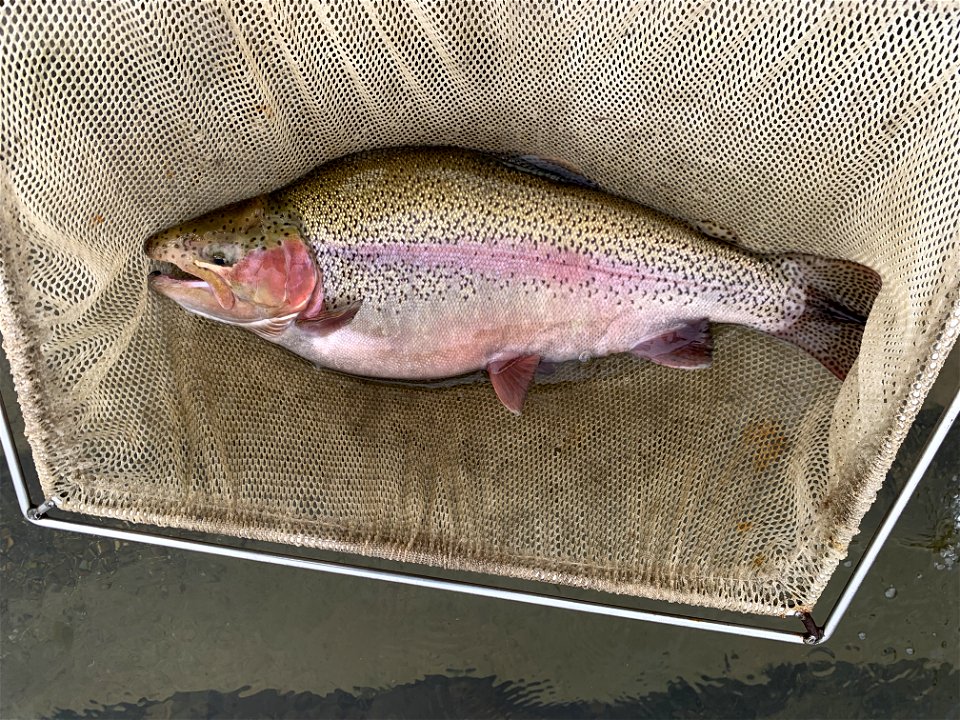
[{"x": 813, "y": 634}]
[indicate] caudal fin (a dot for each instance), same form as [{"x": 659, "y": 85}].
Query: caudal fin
[{"x": 840, "y": 295}]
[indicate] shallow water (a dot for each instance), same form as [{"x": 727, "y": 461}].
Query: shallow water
[{"x": 95, "y": 628}]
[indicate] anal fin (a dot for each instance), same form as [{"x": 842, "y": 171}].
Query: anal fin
[
  {"x": 688, "y": 347},
  {"x": 511, "y": 379}
]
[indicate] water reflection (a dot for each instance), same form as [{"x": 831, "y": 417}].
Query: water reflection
[{"x": 795, "y": 690}]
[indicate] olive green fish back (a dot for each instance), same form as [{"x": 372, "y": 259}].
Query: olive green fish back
[{"x": 829, "y": 129}]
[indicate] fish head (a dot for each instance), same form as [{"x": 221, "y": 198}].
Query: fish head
[{"x": 240, "y": 265}]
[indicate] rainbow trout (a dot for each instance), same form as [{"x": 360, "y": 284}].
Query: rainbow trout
[{"x": 429, "y": 263}]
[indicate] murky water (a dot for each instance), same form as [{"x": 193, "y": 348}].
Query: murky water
[{"x": 93, "y": 628}]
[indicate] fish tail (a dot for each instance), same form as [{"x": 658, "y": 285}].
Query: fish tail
[{"x": 839, "y": 296}]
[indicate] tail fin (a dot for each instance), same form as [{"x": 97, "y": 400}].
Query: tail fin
[{"x": 839, "y": 297}]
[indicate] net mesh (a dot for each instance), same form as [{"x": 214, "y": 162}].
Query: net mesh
[{"x": 823, "y": 128}]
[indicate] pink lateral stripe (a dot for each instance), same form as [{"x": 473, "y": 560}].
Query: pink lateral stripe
[{"x": 562, "y": 266}]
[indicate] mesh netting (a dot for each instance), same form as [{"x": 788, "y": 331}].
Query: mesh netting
[{"x": 830, "y": 130}]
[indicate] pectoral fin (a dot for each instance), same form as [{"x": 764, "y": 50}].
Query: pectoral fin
[
  {"x": 511, "y": 379},
  {"x": 688, "y": 347},
  {"x": 323, "y": 322}
]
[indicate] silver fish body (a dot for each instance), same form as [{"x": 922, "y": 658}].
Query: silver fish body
[{"x": 440, "y": 262}]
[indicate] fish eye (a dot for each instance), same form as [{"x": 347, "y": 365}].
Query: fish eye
[{"x": 219, "y": 255}]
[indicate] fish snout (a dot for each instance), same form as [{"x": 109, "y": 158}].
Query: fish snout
[
  {"x": 158, "y": 245},
  {"x": 170, "y": 246}
]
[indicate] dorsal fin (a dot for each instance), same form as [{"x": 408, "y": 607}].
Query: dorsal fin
[{"x": 552, "y": 169}]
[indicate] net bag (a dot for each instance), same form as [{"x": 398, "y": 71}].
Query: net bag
[{"x": 827, "y": 128}]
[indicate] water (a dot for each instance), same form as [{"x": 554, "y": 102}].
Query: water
[{"x": 93, "y": 628}]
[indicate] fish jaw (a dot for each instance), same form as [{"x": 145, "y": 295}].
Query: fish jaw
[{"x": 195, "y": 295}]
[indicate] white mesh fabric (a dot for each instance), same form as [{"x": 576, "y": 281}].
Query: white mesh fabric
[{"x": 828, "y": 129}]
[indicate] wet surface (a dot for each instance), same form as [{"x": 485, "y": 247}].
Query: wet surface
[
  {"x": 790, "y": 690},
  {"x": 94, "y": 628}
]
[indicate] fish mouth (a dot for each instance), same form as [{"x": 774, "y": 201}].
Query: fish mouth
[
  {"x": 179, "y": 276},
  {"x": 169, "y": 276},
  {"x": 206, "y": 296},
  {"x": 173, "y": 272}
]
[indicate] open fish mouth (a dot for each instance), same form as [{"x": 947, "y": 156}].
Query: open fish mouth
[
  {"x": 194, "y": 293},
  {"x": 168, "y": 276},
  {"x": 184, "y": 279},
  {"x": 173, "y": 272}
]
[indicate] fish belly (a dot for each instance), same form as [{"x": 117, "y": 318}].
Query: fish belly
[{"x": 474, "y": 317}]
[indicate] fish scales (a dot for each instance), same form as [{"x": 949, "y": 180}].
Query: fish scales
[
  {"x": 429, "y": 263},
  {"x": 507, "y": 216}
]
